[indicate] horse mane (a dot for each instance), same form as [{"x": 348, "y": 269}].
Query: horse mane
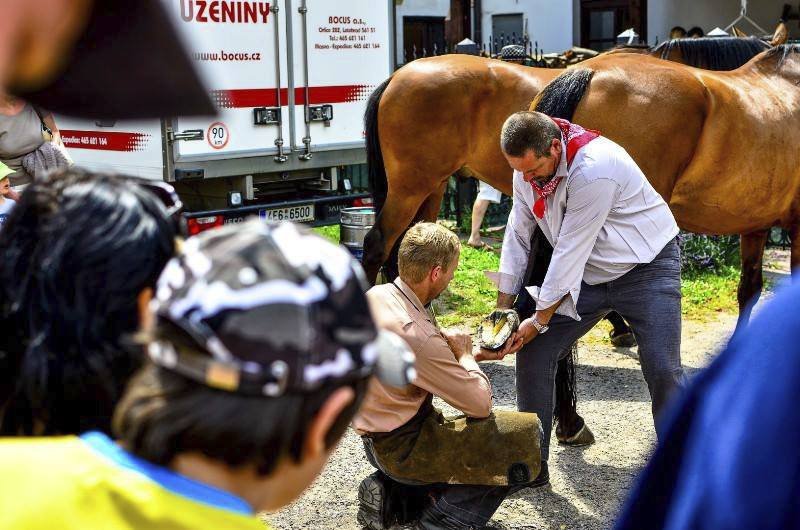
[
  {"x": 713, "y": 53},
  {"x": 561, "y": 96},
  {"x": 780, "y": 53}
]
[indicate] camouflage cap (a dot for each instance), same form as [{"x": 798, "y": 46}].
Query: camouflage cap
[{"x": 267, "y": 310}]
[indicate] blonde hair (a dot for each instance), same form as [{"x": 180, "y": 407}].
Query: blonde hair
[{"x": 425, "y": 246}]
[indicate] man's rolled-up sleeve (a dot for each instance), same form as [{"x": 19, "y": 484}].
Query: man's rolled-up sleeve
[
  {"x": 461, "y": 384},
  {"x": 588, "y": 206},
  {"x": 516, "y": 242}
]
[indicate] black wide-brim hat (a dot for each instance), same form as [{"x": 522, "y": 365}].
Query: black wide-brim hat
[{"x": 128, "y": 63}]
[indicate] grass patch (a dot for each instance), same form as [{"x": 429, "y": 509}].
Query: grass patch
[
  {"x": 330, "y": 232},
  {"x": 471, "y": 295},
  {"x": 708, "y": 293}
]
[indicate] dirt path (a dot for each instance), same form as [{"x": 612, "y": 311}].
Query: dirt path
[{"x": 587, "y": 484}]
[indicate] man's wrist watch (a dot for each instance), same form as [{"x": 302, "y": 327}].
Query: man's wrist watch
[{"x": 541, "y": 328}]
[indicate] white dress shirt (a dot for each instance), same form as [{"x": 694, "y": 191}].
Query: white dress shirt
[{"x": 603, "y": 219}]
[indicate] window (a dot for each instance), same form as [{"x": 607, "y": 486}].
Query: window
[
  {"x": 420, "y": 35},
  {"x": 603, "y": 20},
  {"x": 507, "y": 29}
]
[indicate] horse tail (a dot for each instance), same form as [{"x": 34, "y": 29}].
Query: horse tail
[
  {"x": 378, "y": 184},
  {"x": 561, "y": 96}
]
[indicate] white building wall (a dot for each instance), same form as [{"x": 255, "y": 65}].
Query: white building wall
[
  {"x": 548, "y": 22},
  {"x": 417, "y": 8},
  {"x": 662, "y": 15}
]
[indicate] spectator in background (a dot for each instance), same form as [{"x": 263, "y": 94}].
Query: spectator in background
[
  {"x": 696, "y": 32},
  {"x": 486, "y": 195},
  {"x": 678, "y": 32},
  {"x": 6, "y": 202},
  {"x": 80, "y": 252},
  {"x": 21, "y": 133},
  {"x": 729, "y": 455},
  {"x": 261, "y": 344}
]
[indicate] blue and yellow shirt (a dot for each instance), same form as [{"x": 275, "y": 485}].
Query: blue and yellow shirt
[{"x": 91, "y": 483}]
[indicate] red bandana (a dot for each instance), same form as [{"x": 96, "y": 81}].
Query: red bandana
[{"x": 575, "y": 137}]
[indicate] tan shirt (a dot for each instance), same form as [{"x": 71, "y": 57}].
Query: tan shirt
[{"x": 462, "y": 384}]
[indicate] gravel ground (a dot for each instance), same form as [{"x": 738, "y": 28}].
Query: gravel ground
[{"x": 587, "y": 484}]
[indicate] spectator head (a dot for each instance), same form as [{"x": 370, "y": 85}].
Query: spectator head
[
  {"x": 80, "y": 253},
  {"x": 5, "y": 182},
  {"x": 513, "y": 53},
  {"x": 696, "y": 32},
  {"x": 678, "y": 32},
  {"x": 260, "y": 347},
  {"x": 73, "y": 72}
]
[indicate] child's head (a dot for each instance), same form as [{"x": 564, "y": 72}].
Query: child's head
[
  {"x": 5, "y": 182},
  {"x": 261, "y": 345}
]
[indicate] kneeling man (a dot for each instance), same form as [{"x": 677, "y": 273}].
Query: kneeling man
[{"x": 464, "y": 466}]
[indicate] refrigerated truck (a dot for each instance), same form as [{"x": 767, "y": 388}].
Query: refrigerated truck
[{"x": 290, "y": 79}]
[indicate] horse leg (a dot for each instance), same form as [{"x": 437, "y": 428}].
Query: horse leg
[
  {"x": 751, "y": 280},
  {"x": 621, "y": 336},
  {"x": 393, "y": 220},
  {"x": 429, "y": 211},
  {"x": 571, "y": 429}
]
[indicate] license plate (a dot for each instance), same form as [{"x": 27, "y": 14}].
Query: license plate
[{"x": 300, "y": 213}]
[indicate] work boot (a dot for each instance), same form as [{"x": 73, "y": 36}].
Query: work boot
[
  {"x": 543, "y": 479},
  {"x": 373, "y": 502}
]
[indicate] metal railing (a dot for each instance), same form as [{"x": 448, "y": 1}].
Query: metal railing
[{"x": 534, "y": 55}]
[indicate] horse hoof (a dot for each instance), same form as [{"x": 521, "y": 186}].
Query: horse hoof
[
  {"x": 581, "y": 438},
  {"x": 623, "y": 340}
]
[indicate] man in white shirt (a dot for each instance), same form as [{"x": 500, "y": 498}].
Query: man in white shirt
[{"x": 614, "y": 248}]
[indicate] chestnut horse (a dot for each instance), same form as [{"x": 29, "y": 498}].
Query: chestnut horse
[
  {"x": 720, "y": 147},
  {"x": 442, "y": 116}
]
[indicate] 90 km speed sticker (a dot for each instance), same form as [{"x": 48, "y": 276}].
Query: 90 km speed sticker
[{"x": 217, "y": 135}]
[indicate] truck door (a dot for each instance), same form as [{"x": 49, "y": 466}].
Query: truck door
[
  {"x": 340, "y": 52},
  {"x": 239, "y": 48},
  {"x": 290, "y": 77}
]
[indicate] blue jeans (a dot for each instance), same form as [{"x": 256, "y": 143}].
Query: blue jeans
[{"x": 649, "y": 298}]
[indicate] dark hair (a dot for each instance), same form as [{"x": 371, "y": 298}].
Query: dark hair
[
  {"x": 527, "y": 130},
  {"x": 696, "y": 31},
  {"x": 164, "y": 414},
  {"x": 677, "y": 32},
  {"x": 76, "y": 252}
]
